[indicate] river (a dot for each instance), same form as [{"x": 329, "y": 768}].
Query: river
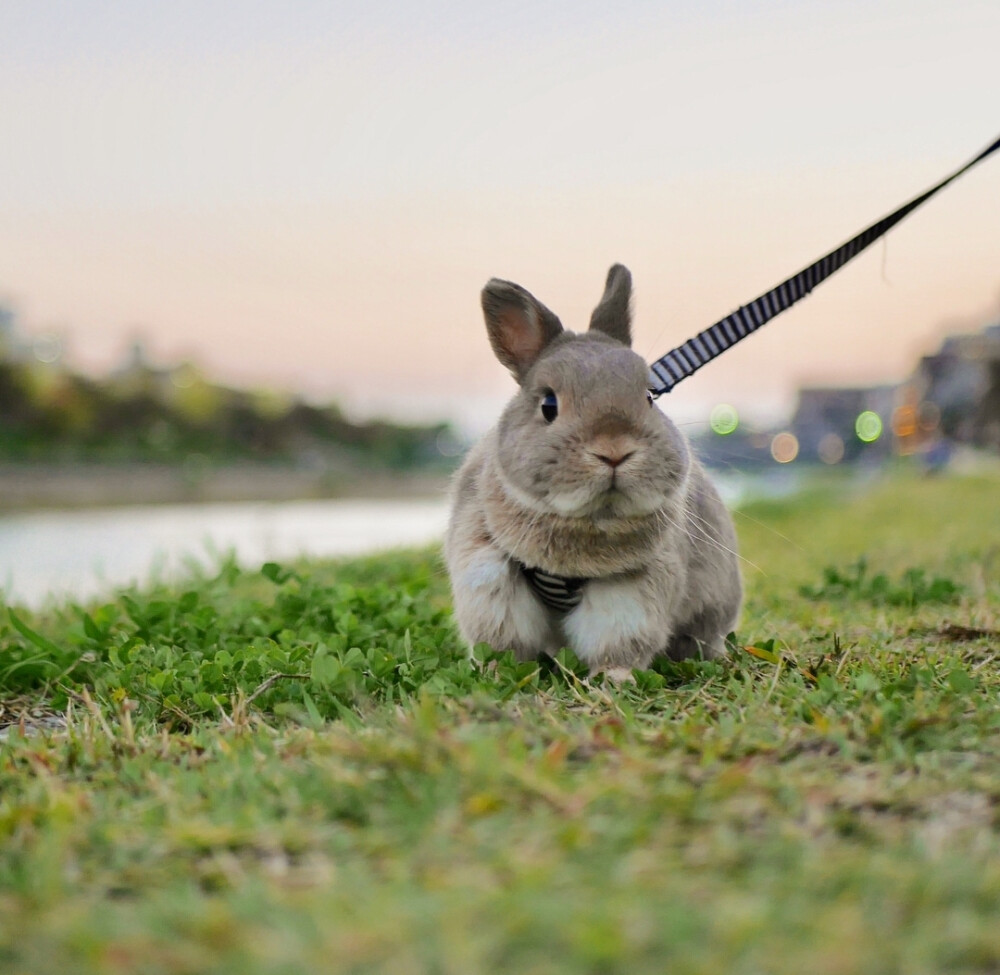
[{"x": 83, "y": 553}]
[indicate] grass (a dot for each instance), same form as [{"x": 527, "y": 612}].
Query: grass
[{"x": 297, "y": 769}]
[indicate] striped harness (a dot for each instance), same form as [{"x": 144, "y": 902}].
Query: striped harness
[{"x": 557, "y": 592}]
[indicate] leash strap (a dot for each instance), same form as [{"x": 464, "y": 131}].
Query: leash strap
[{"x": 686, "y": 359}]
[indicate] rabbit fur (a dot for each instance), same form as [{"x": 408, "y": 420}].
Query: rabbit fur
[{"x": 583, "y": 477}]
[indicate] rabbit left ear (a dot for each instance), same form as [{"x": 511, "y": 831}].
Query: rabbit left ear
[
  {"x": 613, "y": 316},
  {"x": 518, "y": 324}
]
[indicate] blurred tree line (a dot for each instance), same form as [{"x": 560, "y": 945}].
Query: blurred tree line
[{"x": 141, "y": 413}]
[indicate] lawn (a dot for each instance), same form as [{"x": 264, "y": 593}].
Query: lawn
[{"x": 296, "y": 768}]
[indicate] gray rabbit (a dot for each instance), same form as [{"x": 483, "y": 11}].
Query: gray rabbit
[{"x": 582, "y": 519}]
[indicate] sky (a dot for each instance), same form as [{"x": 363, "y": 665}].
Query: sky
[{"x": 309, "y": 196}]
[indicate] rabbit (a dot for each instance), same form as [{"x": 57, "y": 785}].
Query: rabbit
[{"x": 582, "y": 519}]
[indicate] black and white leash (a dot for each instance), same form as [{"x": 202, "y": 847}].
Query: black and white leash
[{"x": 686, "y": 359}]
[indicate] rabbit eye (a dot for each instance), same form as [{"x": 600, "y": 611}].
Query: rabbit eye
[
  {"x": 550, "y": 406},
  {"x": 649, "y": 397}
]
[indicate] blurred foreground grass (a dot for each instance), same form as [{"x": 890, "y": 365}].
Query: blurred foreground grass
[{"x": 298, "y": 770}]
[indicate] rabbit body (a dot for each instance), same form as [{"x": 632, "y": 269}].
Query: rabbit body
[{"x": 585, "y": 480}]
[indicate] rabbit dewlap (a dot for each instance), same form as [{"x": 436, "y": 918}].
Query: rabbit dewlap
[{"x": 582, "y": 519}]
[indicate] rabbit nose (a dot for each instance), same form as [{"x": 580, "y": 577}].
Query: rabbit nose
[{"x": 613, "y": 460}]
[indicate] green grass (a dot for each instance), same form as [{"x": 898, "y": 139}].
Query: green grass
[{"x": 298, "y": 770}]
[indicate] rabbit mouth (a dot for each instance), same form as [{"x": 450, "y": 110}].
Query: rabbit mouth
[
  {"x": 613, "y": 503},
  {"x": 596, "y": 498},
  {"x": 616, "y": 501},
  {"x": 612, "y": 500}
]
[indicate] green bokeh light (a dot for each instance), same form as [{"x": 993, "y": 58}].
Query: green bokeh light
[
  {"x": 868, "y": 426},
  {"x": 723, "y": 419}
]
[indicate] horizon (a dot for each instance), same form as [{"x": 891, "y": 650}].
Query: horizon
[{"x": 47, "y": 351}]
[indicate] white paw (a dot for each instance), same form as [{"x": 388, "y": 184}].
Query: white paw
[{"x": 618, "y": 675}]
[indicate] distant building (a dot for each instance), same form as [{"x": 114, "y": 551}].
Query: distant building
[
  {"x": 6, "y": 325},
  {"x": 12, "y": 347},
  {"x": 138, "y": 376},
  {"x": 956, "y": 392}
]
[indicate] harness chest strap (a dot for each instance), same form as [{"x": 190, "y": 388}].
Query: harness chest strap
[{"x": 559, "y": 593}]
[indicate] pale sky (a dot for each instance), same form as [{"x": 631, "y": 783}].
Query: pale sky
[{"x": 310, "y": 195}]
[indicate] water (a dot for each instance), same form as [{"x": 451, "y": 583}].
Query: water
[{"x": 83, "y": 553}]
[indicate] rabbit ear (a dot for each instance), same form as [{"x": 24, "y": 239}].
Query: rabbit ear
[
  {"x": 519, "y": 325},
  {"x": 613, "y": 316}
]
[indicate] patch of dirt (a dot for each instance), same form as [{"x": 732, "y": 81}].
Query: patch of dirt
[{"x": 26, "y": 716}]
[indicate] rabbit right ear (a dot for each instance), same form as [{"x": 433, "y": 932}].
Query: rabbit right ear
[
  {"x": 518, "y": 324},
  {"x": 613, "y": 315}
]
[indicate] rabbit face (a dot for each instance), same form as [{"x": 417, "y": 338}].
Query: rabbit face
[{"x": 583, "y": 438}]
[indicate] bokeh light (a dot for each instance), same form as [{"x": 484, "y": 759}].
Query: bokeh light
[
  {"x": 785, "y": 447},
  {"x": 868, "y": 426},
  {"x": 831, "y": 448},
  {"x": 904, "y": 421},
  {"x": 724, "y": 419},
  {"x": 47, "y": 348}
]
